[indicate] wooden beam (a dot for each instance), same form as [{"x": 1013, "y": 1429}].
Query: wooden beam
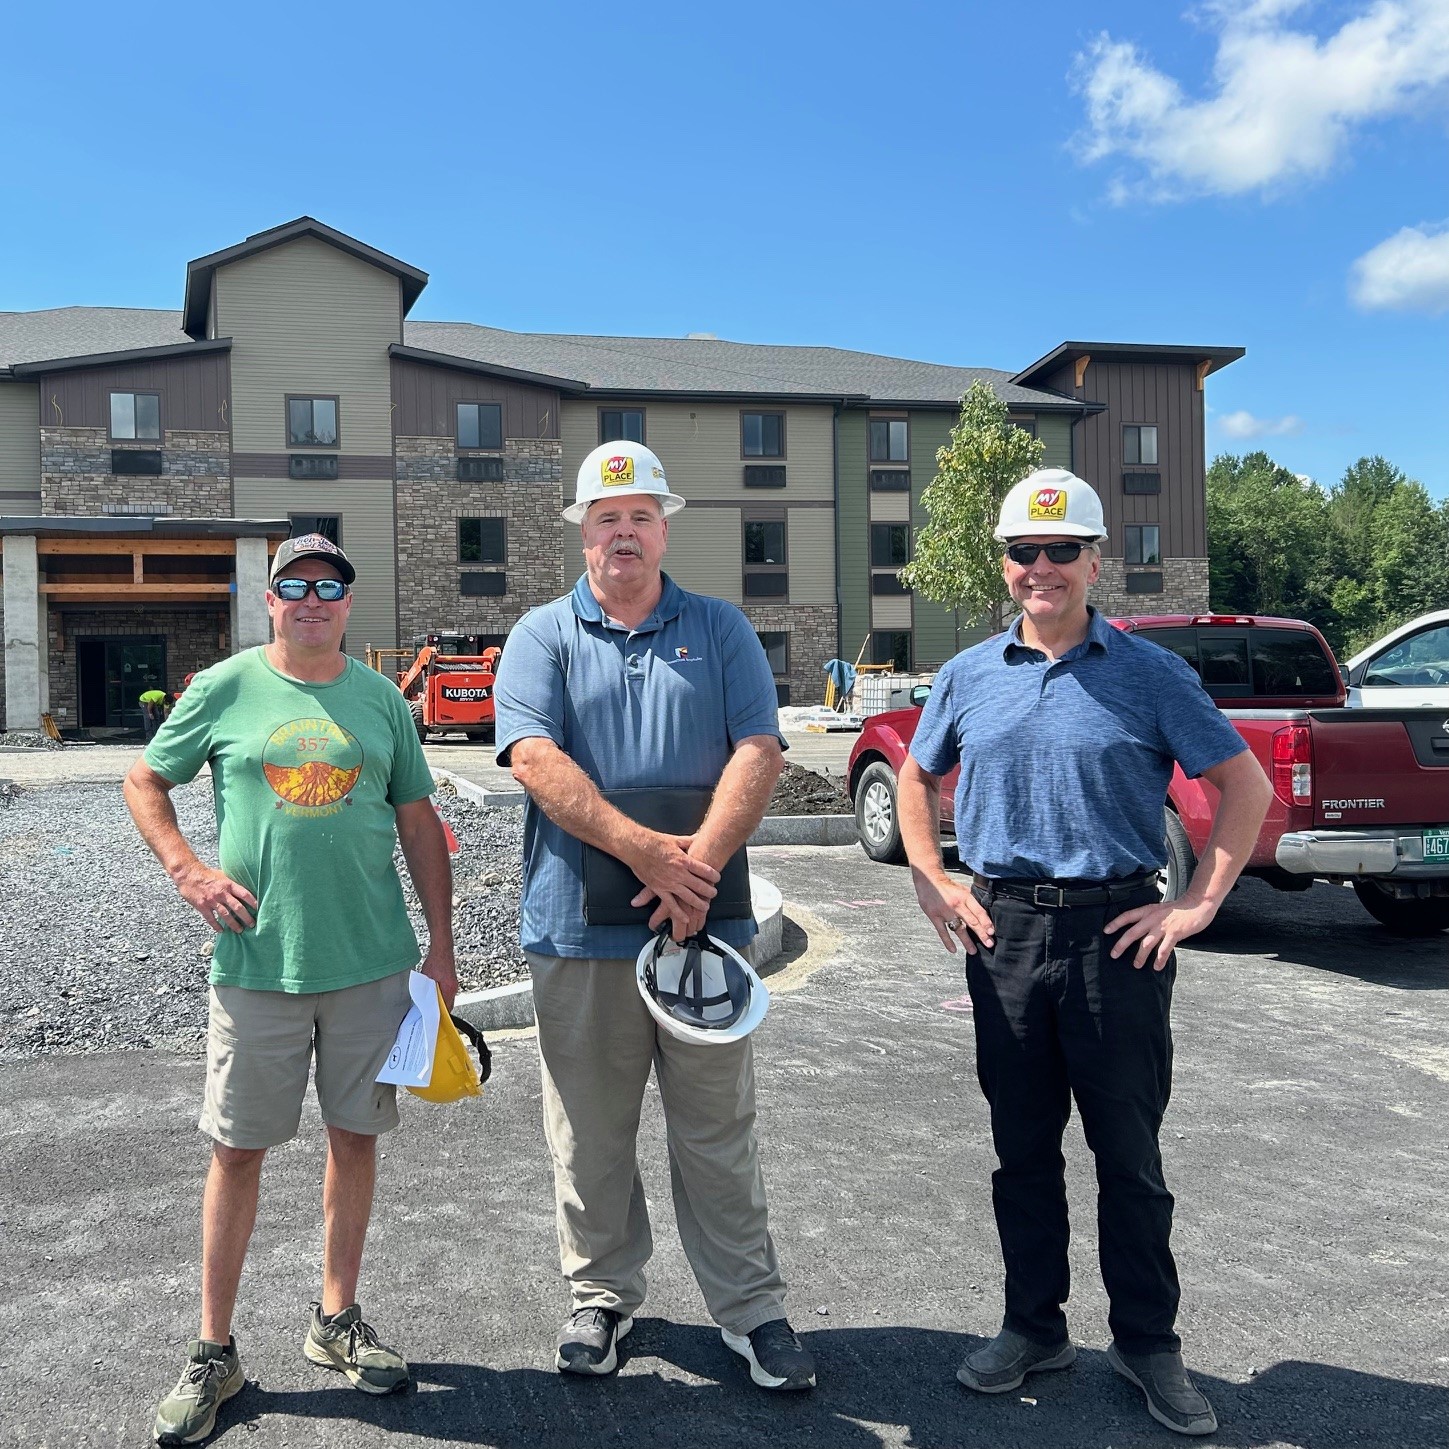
[
  {"x": 178, "y": 547},
  {"x": 1203, "y": 368},
  {"x": 1081, "y": 368},
  {"x": 138, "y": 575},
  {"x": 124, "y": 593}
]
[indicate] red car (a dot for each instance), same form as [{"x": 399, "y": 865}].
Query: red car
[{"x": 1360, "y": 795}]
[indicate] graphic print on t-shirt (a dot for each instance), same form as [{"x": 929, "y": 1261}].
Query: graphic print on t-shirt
[{"x": 312, "y": 765}]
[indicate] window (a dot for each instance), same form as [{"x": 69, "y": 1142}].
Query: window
[
  {"x": 1143, "y": 544},
  {"x": 482, "y": 541},
  {"x": 762, "y": 435},
  {"x": 893, "y": 647},
  {"x": 329, "y": 525},
  {"x": 890, "y": 480},
  {"x": 766, "y": 556},
  {"x": 311, "y": 422},
  {"x": 136, "y": 415},
  {"x": 1139, "y": 444},
  {"x": 136, "y": 462},
  {"x": 480, "y": 425},
  {"x": 618, "y": 425},
  {"x": 889, "y": 440},
  {"x": 890, "y": 545},
  {"x": 765, "y": 541},
  {"x": 776, "y": 644},
  {"x": 887, "y": 584},
  {"x": 1027, "y": 425},
  {"x": 311, "y": 465},
  {"x": 1144, "y": 583},
  {"x": 479, "y": 586}
]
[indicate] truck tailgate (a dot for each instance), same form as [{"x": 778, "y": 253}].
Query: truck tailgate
[{"x": 1380, "y": 767}]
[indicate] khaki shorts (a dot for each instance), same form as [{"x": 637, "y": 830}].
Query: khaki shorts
[{"x": 260, "y": 1045}]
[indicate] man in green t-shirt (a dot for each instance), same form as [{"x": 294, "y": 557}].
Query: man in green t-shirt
[
  {"x": 317, "y": 773},
  {"x": 153, "y": 710}
]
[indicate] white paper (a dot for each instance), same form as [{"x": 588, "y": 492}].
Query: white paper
[{"x": 410, "y": 1062}]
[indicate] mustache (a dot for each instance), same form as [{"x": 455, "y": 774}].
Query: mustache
[{"x": 624, "y": 545}]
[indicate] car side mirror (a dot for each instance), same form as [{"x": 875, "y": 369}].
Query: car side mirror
[{"x": 920, "y": 693}]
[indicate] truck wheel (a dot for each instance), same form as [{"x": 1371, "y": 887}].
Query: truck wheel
[
  {"x": 1414, "y": 916},
  {"x": 416, "y": 707},
  {"x": 876, "y": 820},
  {"x": 1181, "y": 862}
]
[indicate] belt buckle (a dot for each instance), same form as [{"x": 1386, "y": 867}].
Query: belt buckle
[{"x": 1037, "y": 899}]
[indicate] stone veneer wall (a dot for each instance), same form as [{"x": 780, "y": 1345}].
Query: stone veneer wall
[
  {"x": 76, "y": 477},
  {"x": 431, "y": 500},
  {"x": 812, "y": 643},
  {"x": 197, "y": 635},
  {"x": 1184, "y": 589}
]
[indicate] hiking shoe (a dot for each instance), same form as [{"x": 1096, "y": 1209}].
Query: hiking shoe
[
  {"x": 1172, "y": 1397},
  {"x": 587, "y": 1343},
  {"x": 349, "y": 1345},
  {"x": 212, "y": 1375},
  {"x": 1005, "y": 1362},
  {"x": 777, "y": 1359}
]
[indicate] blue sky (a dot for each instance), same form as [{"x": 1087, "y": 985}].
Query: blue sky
[{"x": 963, "y": 183}]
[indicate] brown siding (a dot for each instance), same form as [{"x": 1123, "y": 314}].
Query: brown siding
[
  {"x": 276, "y": 465},
  {"x": 194, "y": 392},
  {"x": 1165, "y": 395},
  {"x": 423, "y": 398}
]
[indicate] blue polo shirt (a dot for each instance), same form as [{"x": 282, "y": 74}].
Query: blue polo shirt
[
  {"x": 661, "y": 705},
  {"x": 1065, "y": 765}
]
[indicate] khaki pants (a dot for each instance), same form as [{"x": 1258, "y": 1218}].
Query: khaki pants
[{"x": 597, "y": 1042}]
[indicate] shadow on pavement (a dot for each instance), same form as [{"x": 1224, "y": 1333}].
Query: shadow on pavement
[{"x": 887, "y": 1376}]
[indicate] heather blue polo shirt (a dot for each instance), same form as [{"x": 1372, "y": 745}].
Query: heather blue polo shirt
[
  {"x": 1065, "y": 765},
  {"x": 661, "y": 705}
]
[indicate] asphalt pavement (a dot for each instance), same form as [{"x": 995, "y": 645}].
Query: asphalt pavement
[{"x": 1305, "y": 1144}]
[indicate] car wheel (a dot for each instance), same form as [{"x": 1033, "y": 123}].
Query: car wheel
[
  {"x": 1403, "y": 916},
  {"x": 1176, "y": 875},
  {"x": 416, "y": 709},
  {"x": 876, "y": 819}
]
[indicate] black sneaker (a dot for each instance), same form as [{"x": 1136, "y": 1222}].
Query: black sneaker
[
  {"x": 1172, "y": 1397},
  {"x": 587, "y": 1343},
  {"x": 212, "y": 1375},
  {"x": 777, "y": 1359},
  {"x": 1004, "y": 1363}
]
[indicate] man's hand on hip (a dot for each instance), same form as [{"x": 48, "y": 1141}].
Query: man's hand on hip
[
  {"x": 225, "y": 905},
  {"x": 952, "y": 909}
]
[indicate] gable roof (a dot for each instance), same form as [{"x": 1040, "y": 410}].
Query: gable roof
[{"x": 1214, "y": 357}]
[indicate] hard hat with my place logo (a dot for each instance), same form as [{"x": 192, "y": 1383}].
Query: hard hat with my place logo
[
  {"x": 615, "y": 469},
  {"x": 1051, "y": 500}
]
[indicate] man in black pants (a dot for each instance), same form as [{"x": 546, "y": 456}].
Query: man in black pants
[{"x": 1066, "y": 731}]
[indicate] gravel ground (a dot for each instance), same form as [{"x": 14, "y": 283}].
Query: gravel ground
[{"x": 99, "y": 953}]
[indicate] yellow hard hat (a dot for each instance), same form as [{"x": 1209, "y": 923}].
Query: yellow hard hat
[{"x": 454, "y": 1075}]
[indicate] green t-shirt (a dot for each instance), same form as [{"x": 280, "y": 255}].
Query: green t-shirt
[{"x": 307, "y": 778}]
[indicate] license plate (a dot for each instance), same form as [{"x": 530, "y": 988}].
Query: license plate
[{"x": 1436, "y": 844}]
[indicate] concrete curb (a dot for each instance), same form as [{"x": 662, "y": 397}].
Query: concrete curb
[{"x": 502, "y": 1008}]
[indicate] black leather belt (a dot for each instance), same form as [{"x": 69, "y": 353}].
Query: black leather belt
[{"x": 1054, "y": 897}]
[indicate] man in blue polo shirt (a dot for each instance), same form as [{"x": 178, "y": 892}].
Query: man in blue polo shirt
[
  {"x": 1066, "y": 731},
  {"x": 629, "y": 682}
]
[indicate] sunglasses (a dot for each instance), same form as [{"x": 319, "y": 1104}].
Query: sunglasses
[
  {"x": 295, "y": 590},
  {"x": 1058, "y": 553}
]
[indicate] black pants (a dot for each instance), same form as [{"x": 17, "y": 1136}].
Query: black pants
[{"x": 1057, "y": 1018}]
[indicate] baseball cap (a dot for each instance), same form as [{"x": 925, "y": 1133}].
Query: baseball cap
[{"x": 313, "y": 545}]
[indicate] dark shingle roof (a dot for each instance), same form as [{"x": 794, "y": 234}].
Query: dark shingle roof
[{"x": 83, "y": 331}]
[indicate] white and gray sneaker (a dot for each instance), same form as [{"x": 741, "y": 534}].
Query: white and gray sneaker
[
  {"x": 587, "y": 1343},
  {"x": 777, "y": 1359}
]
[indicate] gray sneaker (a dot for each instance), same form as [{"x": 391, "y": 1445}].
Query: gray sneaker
[
  {"x": 1004, "y": 1363},
  {"x": 212, "y": 1375},
  {"x": 587, "y": 1343},
  {"x": 350, "y": 1346},
  {"x": 1172, "y": 1397}
]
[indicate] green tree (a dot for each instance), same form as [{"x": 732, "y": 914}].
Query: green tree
[{"x": 957, "y": 561}]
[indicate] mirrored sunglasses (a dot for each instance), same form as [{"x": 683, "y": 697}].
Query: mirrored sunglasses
[
  {"x": 1058, "y": 553},
  {"x": 294, "y": 590}
]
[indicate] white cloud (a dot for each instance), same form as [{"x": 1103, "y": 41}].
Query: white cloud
[
  {"x": 1243, "y": 424},
  {"x": 1282, "y": 104},
  {"x": 1407, "y": 273}
]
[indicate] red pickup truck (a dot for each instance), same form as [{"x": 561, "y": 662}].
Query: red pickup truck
[{"x": 1359, "y": 795}]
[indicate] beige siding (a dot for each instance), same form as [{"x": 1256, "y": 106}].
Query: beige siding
[
  {"x": 19, "y": 444},
  {"x": 890, "y": 612},
  {"x": 812, "y": 556},
  {"x": 699, "y": 445},
  {"x": 704, "y": 552},
  {"x": 890, "y": 507},
  {"x": 306, "y": 318},
  {"x": 366, "y": 510}
]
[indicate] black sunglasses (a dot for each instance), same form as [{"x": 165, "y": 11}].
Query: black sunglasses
[
  {"x": 294, "y": 590},
  {"x": 1058, "y": 553}
]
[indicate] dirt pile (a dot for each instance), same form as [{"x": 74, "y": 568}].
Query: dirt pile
[{"x": 802, "y": 792}]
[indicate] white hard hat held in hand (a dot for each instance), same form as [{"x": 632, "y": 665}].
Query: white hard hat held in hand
[
  {"x": 614, "y": 470},
  {"x": 1051, "y": 500}
]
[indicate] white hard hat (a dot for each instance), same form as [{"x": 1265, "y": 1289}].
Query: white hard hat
[
  {"x": 702, "y": 991},
  {"x": 1051, "y": 500},
  {"x": 619, "y": 468}
]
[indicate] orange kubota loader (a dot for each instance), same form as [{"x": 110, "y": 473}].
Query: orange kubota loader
[{"x": 449, "y": 686}]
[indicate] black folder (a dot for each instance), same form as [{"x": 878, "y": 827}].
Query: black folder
[{"x": 609, "y": 884}]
